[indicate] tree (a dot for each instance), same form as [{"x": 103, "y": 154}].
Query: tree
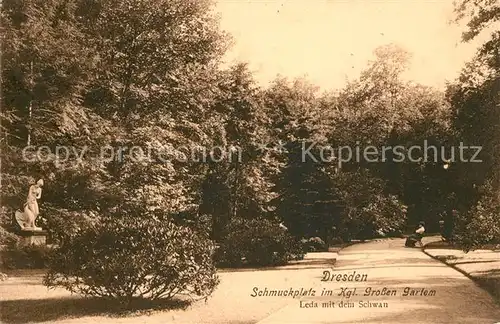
[
  {"x": 382, "y": 111},
  {"x": 104, "y": 76},
  {"x": 239, "y": 185},
  {"x": 45, "y": 69},
  {"x": 475, "y": 99},
  {"x": 480, "y": 17},
  {"x": 304, "y": 198},
  {"x": 366, "y": 210}
]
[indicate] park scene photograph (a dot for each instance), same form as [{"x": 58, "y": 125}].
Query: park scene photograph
[{"x": 250, "y": 162}]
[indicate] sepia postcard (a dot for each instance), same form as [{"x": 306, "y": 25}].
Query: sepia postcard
[{"x": 250, "y": 161}]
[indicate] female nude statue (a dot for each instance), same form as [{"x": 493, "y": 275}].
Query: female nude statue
[{"x": 27, "y": 218}]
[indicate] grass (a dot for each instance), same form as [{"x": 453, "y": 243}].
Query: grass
[{"x": 482, "y": 265}]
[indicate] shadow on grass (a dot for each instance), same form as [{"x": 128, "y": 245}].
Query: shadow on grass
[
  {"x": 446, "y": 257},
  {"x": 48, "y": 310},
  {"x": 440, "y": 245},
  {"x": 475, "y": 262},
  {"x": 490, "y": 281}
]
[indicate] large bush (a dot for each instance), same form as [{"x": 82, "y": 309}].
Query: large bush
[
  {"x": 7, "y": 238},
  {"x": 257, "y": 242},
  {"x": 13, "y": 255},
  {"x": 480, "y": 225},
  {"x": 16, "y": 256},
  {"x": 135, "y": 257},
  {"x": 62, "y": 223},
  {"x": 367, "y": 210},
  {"x": 314, "y": 244}
]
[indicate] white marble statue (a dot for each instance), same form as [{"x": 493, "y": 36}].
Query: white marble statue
[{"x": 27, "y": 218}]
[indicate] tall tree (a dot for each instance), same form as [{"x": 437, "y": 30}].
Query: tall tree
[
  {"x": 475, "y": 97},
  {"x": 46, "y": 68},
  {"x": 304, "y": 192},
  {"x": 476, "y": 94},
  {"x": 239, "y": 185},
  {"x": 108, "y": 75}
]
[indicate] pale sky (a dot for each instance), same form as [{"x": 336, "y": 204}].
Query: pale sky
[{"x": 331, "y": 40}]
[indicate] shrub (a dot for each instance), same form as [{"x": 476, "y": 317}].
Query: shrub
[
  {"x": 7, "y": 238},
  {"x": 257, "y": 242},
  {"x": 15, "y": 256},
  {"x": 381, "y": 216},
  {"x": 62, "y": 223},
  {"x": 133, "y": 258},
  {"x": 6, "y": 217},
  {"x": 481, "y": 225},
  {"x": 366, "y": 211},
  {"x": 314, "y": 244},
  {"x": 336, "y": 241}
]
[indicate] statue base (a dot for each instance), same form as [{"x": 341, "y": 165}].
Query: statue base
[{"x": 33, "y": 237}]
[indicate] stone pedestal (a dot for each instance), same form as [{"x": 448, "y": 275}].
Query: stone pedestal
[{"x": 33, "y": 237}]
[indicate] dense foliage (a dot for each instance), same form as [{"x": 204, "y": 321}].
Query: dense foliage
[
  {"x": 15, "y": 256},
  {"x": 257, "y": 242},
  {"x": 475, "y": 97},
  {"x": 141, "y": 121},
  {"x": 314, "y": 244},
  {"x": 130, "y": 257}
]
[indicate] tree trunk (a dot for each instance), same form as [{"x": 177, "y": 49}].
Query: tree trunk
[{"x": 30, "y": 105}]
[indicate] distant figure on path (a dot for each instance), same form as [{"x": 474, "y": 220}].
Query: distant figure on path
[
  {"x": 420, "y": 228},
  {"x": 420, "y": 231},
  {"x": 416, "y": 236}
]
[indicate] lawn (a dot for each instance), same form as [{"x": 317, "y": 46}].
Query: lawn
[{"x": 483, "y": 266}]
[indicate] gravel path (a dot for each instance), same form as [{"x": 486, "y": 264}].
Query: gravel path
[
  {"x": 24, "y": 299},
  {"x": 447, "y": 295}
]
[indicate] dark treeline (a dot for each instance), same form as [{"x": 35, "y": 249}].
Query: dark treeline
[{"x": 94, "y": 74}]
